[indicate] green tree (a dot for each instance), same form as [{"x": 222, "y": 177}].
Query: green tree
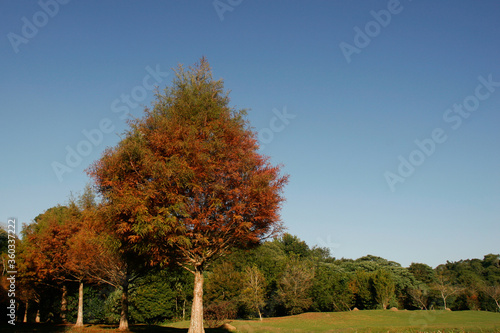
[
  {"x": 422, "y": 272},
  {"x": 223, "y": 283},
  {"x": 445, "y": 285},
  {"x": 384, "y": 286},
  {"x": 491, "y": 260},
  {"x": 4, "y": 241},
  {"x": 420, "y": 295},
  {"x": 493, "y": 291},
  {"x": 294, "y": 285},
  {"x": 332, "y": 290},
  {"x": 93, "y": 304},
  {"x": 182, "y": 283},
  {"x": 363, "y": 290},
  {"x": 293, "y": 246},
  {"x": 270, "y": 258},
  {"x": 152, "y": 297}
]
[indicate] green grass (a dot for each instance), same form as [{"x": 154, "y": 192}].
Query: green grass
[
  {"x": 373, "y": 321},
  {"x": 377, "y": 321}
]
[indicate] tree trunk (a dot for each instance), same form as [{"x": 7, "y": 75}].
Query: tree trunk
[
  {"x": 37, "y": 318},
  {"x": 79, "y": 318},
  {"x": 196, "y": 325},
  {"x": 64, "y": 303},
  {"x": 184, "y": 310},
  {"x": 260, "y": 315},
  {"x": 124, "y": 314},
  {"x": 25, "y": 319}
]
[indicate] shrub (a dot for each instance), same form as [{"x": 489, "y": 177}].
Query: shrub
[{"x": 216, "y": 314}]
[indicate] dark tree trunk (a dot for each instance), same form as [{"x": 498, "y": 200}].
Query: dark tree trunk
[
  {"x": 64, "y": 303},
  {"x": 124, "y": 313}
]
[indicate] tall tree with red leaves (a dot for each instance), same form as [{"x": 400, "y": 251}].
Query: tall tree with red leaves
[{"x": 187, "y": 183}]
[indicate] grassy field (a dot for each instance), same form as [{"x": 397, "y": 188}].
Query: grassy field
[
  {"x": 355, "y": 321},
  {"x": 374, "y": 321}
]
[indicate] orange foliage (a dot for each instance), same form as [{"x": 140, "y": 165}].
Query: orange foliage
[{"x": 188, "y": 178}]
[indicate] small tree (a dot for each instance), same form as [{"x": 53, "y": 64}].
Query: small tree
[
  {"x": 223, "y": 283},
  {"x": 294, "y": 285},
  {"x": 420, "y": 294},
  {"x": 187, "y": 183},
  {"x": 254, "y": 289},
  {"x": 444, "y": 286}
]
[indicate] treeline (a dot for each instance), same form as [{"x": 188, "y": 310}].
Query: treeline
[
  {"x": 295, "y": 278},
  {"x": 283, "y": 276}
]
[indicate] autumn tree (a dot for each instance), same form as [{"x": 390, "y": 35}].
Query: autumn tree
[
  {"x": 45, "y": 250},
  {"x": 79, "y": 255},
  {"x": 100, "y": 255},
  {"x": 47, "y": 255},
  {"x": 187, "y": 182}
]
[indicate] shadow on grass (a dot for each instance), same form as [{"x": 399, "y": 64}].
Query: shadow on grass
[
  {"x": 23, "y": 327},
  {"x": 68, "y": 328}
]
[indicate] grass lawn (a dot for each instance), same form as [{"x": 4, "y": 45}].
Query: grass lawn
[
  {"x": 355, "y": 321},
  {"x": 377, "y": 321}
]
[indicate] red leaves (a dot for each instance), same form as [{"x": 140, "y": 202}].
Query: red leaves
[
  {"x": 190, "y": 163},
  {"x": 47, "y": 242}
]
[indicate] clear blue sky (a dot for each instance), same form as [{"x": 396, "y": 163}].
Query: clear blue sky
[{"x": 351, "y": 105}]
